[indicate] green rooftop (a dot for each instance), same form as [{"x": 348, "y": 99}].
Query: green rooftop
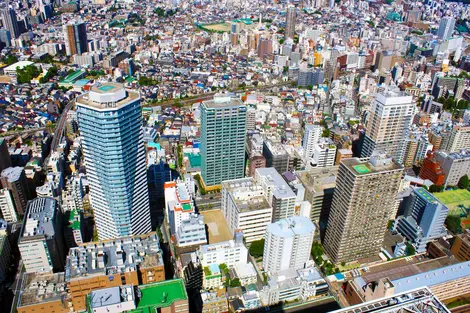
[
  {"x": 74, "y": 222},
  {"x": 426, "y": 195},
  {"x": 187, "y": 207},
  {"x": 73, "y": 76},
  {"x": 361, "y": 169},
  {"x": 160, "y": 295}
]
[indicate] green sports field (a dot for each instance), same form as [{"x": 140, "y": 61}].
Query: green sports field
[{"x": 453, "y": 199}]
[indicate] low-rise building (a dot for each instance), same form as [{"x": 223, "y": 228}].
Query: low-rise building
[
  {"x": 212, "y": 277},
  {"x": 230, "y": 252},
  {"x": 214, "y": 302},
  {"x": 114, "y": 299},
  {"x": 461, "y": 247}
]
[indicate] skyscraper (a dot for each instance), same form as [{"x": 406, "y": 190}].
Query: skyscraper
[
  {"x": 446, "y": 27},
  {"x": 290, "y": 22},
  {"x": 223, "y": 138},
  {"x": 362, "y": 203},
  {"x": 10, "y": 22},
  {"x": 390, "y": 118},
  {"x": 288, "y": 244},
  {"x": 75, "y": 38},
  {"x": 110, "y": 122}
]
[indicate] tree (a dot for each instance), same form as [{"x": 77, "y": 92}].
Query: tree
[
  {"x": 10, "y": 59},
  {"x": 317, "y": 252},
  {"x": 27, "y": 73},
  {"x": 235, "y": 282},
  {"x": 463, "y": 182},
  {"x": 326, "y": 133},
  {"x": 453, "y": 224},
  {"x": 435, "y": 188},
  {"x": 410, "y": 250},
  {"x": 257, "y": 248}
]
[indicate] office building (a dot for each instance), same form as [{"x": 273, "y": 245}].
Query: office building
[
  {"x": 363, "y": 202},
  {"x": 230, "y": 252},
  {"x": 276, "y": 156},
  {"x": 110, "y": 122},
  {"x": 324, "y": 153},
  {"x": 290, "y": 22},
  {"x": 246, "y": 208},
  {"x": 44, "y": 292},
  {"x": 288, "y": 244},
  {"x": 391, "y": 116},
  {"x": 7, "y": 206},
  {"x": 420, "y": 300},
  {"x": 75, "y": 36},
  {"x": 223, "y": 138},
  {"x": 454, "y": 165},
  {"x": 5, "y": 161},
  {"x": 124, "y": 261},
  {"x": 14, "y": 179},
  {"x": 41, "y": 242},
  {"x": 459, "y": 139},
  {"x": 312, "y": 135},
  {"x": 310, "y": 76},
  {"x": 319, "y": 184},
  {"x": 10, "y": 22},
  {"x": 446, "y": 27},
  {"x": 423, "y": 220}
]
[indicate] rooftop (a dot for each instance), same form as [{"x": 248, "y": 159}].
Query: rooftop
[
  {"x": 291, "y": 226},
  {"x": 217, "y": 226},
  {"x": 40, "y": 218},
  {"x": 360, "y": 167},
  {"x": 222, "y": 102},
  {"x": 12, "y": 173},
  {"x": 160, "y": 295},
  {"x": 319, "y": 179},
  {"x": 20, "y": 64},
  {"x": 246, "y": 194},
  {"x": 114, "y": 256},
  {"x": 39, "y": 288},
  {"x": 280, "y": 188},
  {"x": 108, "y": 96},
  {"x": 111, "y": 296}
]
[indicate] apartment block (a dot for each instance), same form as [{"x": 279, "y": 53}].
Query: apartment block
[
  {"x": 454, "y": 165},
  {"x": 228, "y": 252},
  {"x": 246, "y": 208},
  {"x": 459, "y": 139},
  {"x": 363, "y": 201}
]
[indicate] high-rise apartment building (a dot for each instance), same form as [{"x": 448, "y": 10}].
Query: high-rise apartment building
[
  {"x": 75, "y": 36},
  {"x": 364, "y": 197},
  {"x": 290, "y": 22},
  {"x": 10, "y": 22},
  {"x": 454, "y": 165},
  {"x": 7, "y": 206},
  {"x": 423, "y": 220},
  {"x": 278, "y": 193},
  {"x": 110, "y": 122},
  {"x": 288, "y": 244},
  {"x": 446, "y": 27},
  {"x": 5, "y": 160},
  {"x": 245, "y": 207},
  {"x": 324, "y": 153},
  {"x": 459, "y": 139},
  {"x": 223, "y": 138},
  {"x": 391, "y": 117},
  {"x": 41, "y": 241},
  {"x": 312, "y": 136}
]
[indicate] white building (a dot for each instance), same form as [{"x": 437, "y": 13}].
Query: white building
[
  {"x": 228, "y": 252},
  {"x": 324, "y": 153},
  {"x": 7, "y": 206},
  {"x": 191, "y": 232},
  {"x": 288, "y": 244},
  {"x": 459, "y": 139},
  {"x": 115, "y": 299},
  {"x": 178, "y": 204},
  {"x": 277, "y": 191},
  {"x": 212, "y": 277},
  {"x": 289, "y": 285},
  {"x": 311, "y": 137},
  {"x": 246, "y": 208}
]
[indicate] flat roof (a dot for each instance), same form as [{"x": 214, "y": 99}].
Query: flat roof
[
  {"x": 160, "y": 295},
  {"x": 20, "y": 64},
  {"x": 291, "y": 227},
  {"x": 280, "y": 187},
  {"x": 217, "y": 226},
  {"x": 104, "y": 297},
  {"x": 40, "y": 288},
  {"x": 360, "y": 167},
  {"x": 109, "y": 96},
  {"x": 244, "y": 194},
  {"x": 319, "y": 179},
  {"x": 222, "y": 103}
]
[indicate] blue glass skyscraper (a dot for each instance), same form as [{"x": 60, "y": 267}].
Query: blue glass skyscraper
[{"x": 110, "y": 122}]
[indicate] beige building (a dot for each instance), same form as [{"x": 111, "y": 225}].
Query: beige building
[
  {"x": 459, "y": 139},
  {"x": 362, "y": 203}
]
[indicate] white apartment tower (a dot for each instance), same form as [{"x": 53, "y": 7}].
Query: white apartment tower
[
  {"x": 324, "y": 153},
  {"x": 288, "y": 244},
  {"x": 390, "y": 118},
  {"x": 312, "y": 135}
]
